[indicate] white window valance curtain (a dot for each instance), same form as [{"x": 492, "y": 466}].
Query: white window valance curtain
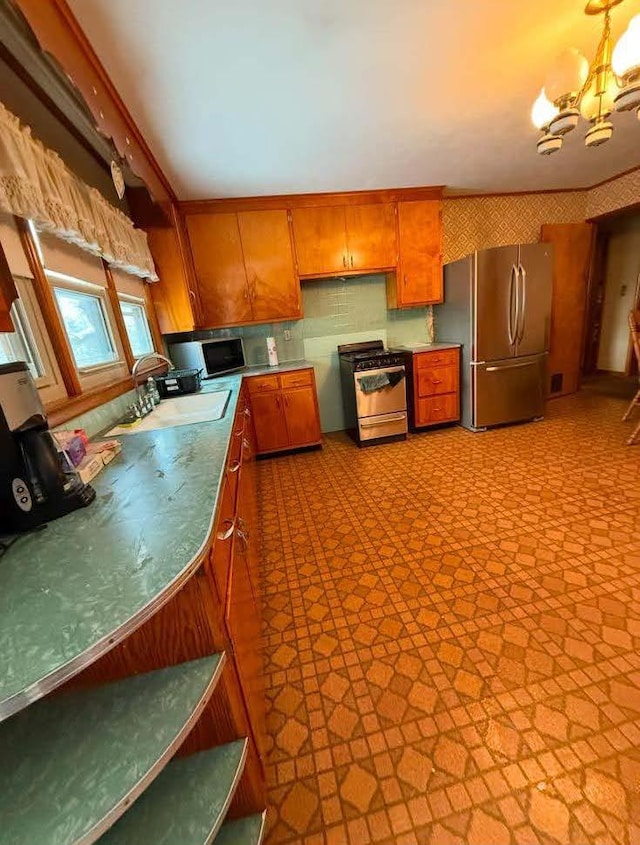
[{"x": 36, "y": 184}]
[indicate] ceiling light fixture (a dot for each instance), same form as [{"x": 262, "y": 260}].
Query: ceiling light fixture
[{"x": 575, "y": 88}]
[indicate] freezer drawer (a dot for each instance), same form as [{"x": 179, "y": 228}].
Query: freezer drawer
[{"x": 508, "y": 391}]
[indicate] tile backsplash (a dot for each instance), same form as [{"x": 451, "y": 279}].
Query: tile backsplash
[{"x": 340, "y": 310}]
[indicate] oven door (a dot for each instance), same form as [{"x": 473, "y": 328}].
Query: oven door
[{"x": 387, "y": 400}]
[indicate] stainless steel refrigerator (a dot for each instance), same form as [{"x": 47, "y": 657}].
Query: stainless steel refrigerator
[{"x": 497, "y": 304}]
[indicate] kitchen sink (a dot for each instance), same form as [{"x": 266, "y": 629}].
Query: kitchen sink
[{"x": 181, "y": 410}]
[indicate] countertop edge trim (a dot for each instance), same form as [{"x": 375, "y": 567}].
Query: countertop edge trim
[
  {"x": 147, "y": 779},
  {"x": 219, "y": 821}
]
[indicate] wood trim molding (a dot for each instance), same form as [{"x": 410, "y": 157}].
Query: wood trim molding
[
  {"x": 47, "y": 304},
  {"x": 156, "y": 334},
  {"x": 59, "y": 33},
  {"x": 112, "y": 293},
  {"x": 278, "y": 201},
  {"x": 66, "y": 409}
]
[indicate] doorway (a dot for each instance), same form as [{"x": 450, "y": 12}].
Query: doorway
[{"x": 609, "y": 365}]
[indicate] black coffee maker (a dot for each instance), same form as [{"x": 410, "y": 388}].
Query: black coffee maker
[{"x": 34, "y": 487}]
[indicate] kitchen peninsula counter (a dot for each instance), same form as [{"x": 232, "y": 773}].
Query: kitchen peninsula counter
[{"x": 71, "y": 591}]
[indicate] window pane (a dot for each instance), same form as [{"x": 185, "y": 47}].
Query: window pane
[
  {"x": 135, "y": 320},
  {"x": 19, "y": 345},
  {"x": 86, "y": 327}
]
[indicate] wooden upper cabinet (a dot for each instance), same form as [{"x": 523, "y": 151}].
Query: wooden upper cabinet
[
  {"x": 320, "y": 237},
  {"x": 173, "y": 300},
  {"x": 371, "y": 236},
  {"x": 219, "y": 267},
  {"x": 418, "y": 280},
  {"x": 274, "y": 288}
]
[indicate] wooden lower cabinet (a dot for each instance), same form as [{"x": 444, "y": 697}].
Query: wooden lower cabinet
[
  {"x": 216, "y": 610},
  {"x": 285, "y": 410},
  {"x": 433, "y": 387}
]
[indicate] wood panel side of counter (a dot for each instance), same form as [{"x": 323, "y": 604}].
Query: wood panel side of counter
[{"x": 190, "y": 626}]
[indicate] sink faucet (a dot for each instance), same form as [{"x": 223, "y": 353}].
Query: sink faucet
[{"x": 147, "y": 357}]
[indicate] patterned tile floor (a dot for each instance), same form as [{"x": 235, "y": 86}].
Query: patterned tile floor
[{"x": 452, "y": 632}]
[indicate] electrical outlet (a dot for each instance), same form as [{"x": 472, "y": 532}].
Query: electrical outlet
[{"x": 287, "y": 334}]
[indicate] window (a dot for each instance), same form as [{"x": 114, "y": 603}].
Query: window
[
  {"x": 20, "y": 345},
  {"x": 86, "y": 326},
  {"x": 135, "y": 319}
]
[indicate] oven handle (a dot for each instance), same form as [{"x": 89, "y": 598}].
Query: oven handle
[
  {"x": 397, "y": 369},
  {"x": 388, "y": 419}
]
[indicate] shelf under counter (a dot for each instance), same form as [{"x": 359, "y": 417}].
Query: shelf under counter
[
  {"x": 72, "y": 591},
  {"x": 247, "y": 831},
  {"x": 187, "y": 803},
  {"x": 74, "y": 762}
]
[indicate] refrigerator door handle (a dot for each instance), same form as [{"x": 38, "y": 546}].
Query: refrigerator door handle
[
  {"x": 513, "y": 283},
  {"x": 522, "y": 274},
  {"x": 511, "y": 366}
]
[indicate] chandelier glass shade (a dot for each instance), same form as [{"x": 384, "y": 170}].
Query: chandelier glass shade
[{"x": 575, "y": 88}]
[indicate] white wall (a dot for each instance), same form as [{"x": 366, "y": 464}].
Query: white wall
[{"x": 622, "y": 275}]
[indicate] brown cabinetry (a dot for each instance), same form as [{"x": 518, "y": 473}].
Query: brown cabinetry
[
  {"x": 285, "y": 410},
  {"x": 433, "y": 381},
  {"x": 332, "y": 240},
  {"x": 243, "y": 265},
  {"x": 418, "y": 279}
]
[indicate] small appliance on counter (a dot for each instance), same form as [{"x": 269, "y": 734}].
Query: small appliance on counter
[
  {"x": 374, "y": 392},
  {"x": 214, "y": 356},
  {"x": 179, "y": 382},
  {"x": 34, "y": 487}
]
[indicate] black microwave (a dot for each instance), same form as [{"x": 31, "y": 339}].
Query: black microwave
[{"x": 215, "y": 356}]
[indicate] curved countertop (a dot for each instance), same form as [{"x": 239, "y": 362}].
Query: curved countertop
[{"x": 68, "y": 593}]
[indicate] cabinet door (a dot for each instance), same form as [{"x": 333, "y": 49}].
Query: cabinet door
[
  {"x": 419, "y": 278},
  {"x": 219, "y": 267},
  {"x": 301, "y": 415},
  {"x": 371, "y": 236},
  {"x": 173, "y": 299},
  {"x": 321, "y": 240},
  {"x": 268, "y": 421},
  {"x": 268, "y": 259}
]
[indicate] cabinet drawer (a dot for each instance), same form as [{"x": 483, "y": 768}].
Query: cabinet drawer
[
  {"x": 440, "y": 358},
  {"x": 260, "y": 384},
  {"x": 437, "y": 409},
  {"x": 296, "y": 378},
  {"x": 436, "y": 380}
]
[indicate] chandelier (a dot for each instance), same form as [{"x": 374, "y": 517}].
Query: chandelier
[{"x": 576, "y": 88}]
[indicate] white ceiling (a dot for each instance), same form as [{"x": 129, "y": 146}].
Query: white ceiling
[{"x": 248, "y": 97}]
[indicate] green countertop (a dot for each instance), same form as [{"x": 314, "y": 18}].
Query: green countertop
[
  {"x": 72, "y": 763},
  {"x": 187, "y": 803},
  {"x": 68, "y": 593}
]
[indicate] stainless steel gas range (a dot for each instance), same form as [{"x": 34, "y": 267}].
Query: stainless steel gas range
[{"x": 374, "y": 392}]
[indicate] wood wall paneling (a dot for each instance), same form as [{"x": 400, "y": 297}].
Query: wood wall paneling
[
  {"x": 338, "y": 198},
  {"x": 59, "y": 33},
  {"x": 8, "y": 293},
  {"x": 572, "y": 254},
  {"x": 50, "y": 316}
]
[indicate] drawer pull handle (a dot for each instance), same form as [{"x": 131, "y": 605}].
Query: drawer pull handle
[
  {"x": 224, "y": 535},
  {"x": 436, "y": 381},
  {"x": 234, "y": 467}
]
